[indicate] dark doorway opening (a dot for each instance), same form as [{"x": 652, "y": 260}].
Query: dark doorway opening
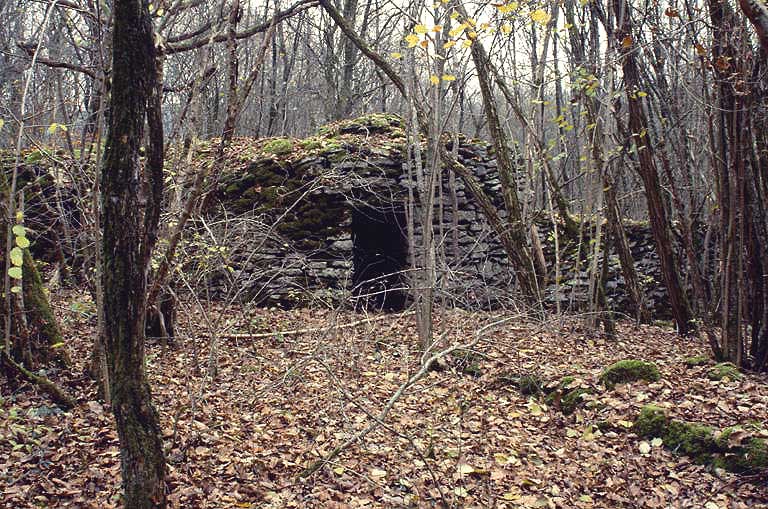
[{"x": 379, "y": 255}]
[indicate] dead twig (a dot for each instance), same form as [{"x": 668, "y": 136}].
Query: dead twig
[
  {"x": 381, "y": 417},
  {"x": 297, "y": 332}
]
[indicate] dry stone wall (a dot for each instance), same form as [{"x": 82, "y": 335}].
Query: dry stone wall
[{"x": 325, "y": 219}]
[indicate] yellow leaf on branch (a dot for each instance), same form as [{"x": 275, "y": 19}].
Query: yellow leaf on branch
[
  {"x": 457, "y": 31},
  {"x": 541, "y": 16}
]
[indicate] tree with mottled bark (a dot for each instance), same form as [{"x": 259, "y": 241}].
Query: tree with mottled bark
[
  {"x": 640, "y": 135},
  {"x": 130, "y": 205}
]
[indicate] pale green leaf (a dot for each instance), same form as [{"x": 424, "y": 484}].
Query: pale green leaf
[{"x": 17, "y": 257}]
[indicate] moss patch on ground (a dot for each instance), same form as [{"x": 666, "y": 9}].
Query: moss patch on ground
[
  {"x": 732, "y": 448},
  {"x": 278, "y": 146},
  {"x": 652, "y": 422},
  {"x": 699, "y": 360},
  {"x": 629, "y": 370},
  {"x": 568, "y": 395},
  {"x": 723, "y": 371}
]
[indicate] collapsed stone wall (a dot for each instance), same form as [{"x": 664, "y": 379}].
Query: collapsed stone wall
[
  {"x": 291, "y": 214},
  {"x": 51, "y": 213},
  {"x": 299, "y": 200},
  {"x": 313, "y": 190}
]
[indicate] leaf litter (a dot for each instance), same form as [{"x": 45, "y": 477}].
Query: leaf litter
[{"x": 454, "y": 439}]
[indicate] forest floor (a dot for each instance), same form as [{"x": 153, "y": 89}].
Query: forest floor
[{"x": 455, "y": 439}]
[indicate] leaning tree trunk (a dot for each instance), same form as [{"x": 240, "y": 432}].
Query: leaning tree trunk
[
  {"x": 529, "y": 279},
  {"x": 129, "y": 230},
  {"x": 757, "y": 12},
  {"x": 44, "y": 335},
  {"x": 649, "y": 174},
  {"x": 35, "y": 337},
  {"x": 32, "y": 334}
]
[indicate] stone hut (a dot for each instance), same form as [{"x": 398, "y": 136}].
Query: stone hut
[{"x": 325, "y": 218}]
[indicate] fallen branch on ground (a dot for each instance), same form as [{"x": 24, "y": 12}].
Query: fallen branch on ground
[
  {"x": 379, "y": 419},
  {"x": 57, "y": 394}
]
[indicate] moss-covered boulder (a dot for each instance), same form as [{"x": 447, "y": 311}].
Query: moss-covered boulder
[
  {"x": 751, "y": 456},
  {"x": 732, "y": 449},
  {"x": 724, "y": 371},
  {"x": 629, "y": 370},
  {"x": 692, "y": 439},
  {"x": 652, "y": 422},
  {"x": 699, "y": 360},
  {"x": 573, "y": 399},
  {"x": 681, "y": 437},
  {"x": 742, "y": 452},
  {"x": 278, "y": 146}
]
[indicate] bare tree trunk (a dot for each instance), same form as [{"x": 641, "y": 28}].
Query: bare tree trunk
[
  {"x": 638, "y": 126},
  {"x": 757, "y": 12},
  {"x": 127, "y": 242},
  {"x": 731, "y": 173}
]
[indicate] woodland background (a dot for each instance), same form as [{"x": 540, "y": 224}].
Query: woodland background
[{"x": 599, "y": 114}]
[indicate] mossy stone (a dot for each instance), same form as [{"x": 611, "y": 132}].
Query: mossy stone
[
  {"x": 691, "y": 439},
  {"x": 699, "y": 360},
  {"x": 701, "y": 442},
  {"x": 278, "y": 146},
  {"x": 721, "y": 441},
  {"x": 468, "y": 362},
  {"x": 311, "y": 144},
  {"x": 373, "y": 123},
  {"x": 629, "y": 370},
  {"x": 572, "y": 400},
  {"x": 557, "y": 391},
  {"x": 724, "y": 370},
  {"x": 750, "y": 457},
  {"x": 651, "y": 422},
  {"x": 569, "y": 399}
]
